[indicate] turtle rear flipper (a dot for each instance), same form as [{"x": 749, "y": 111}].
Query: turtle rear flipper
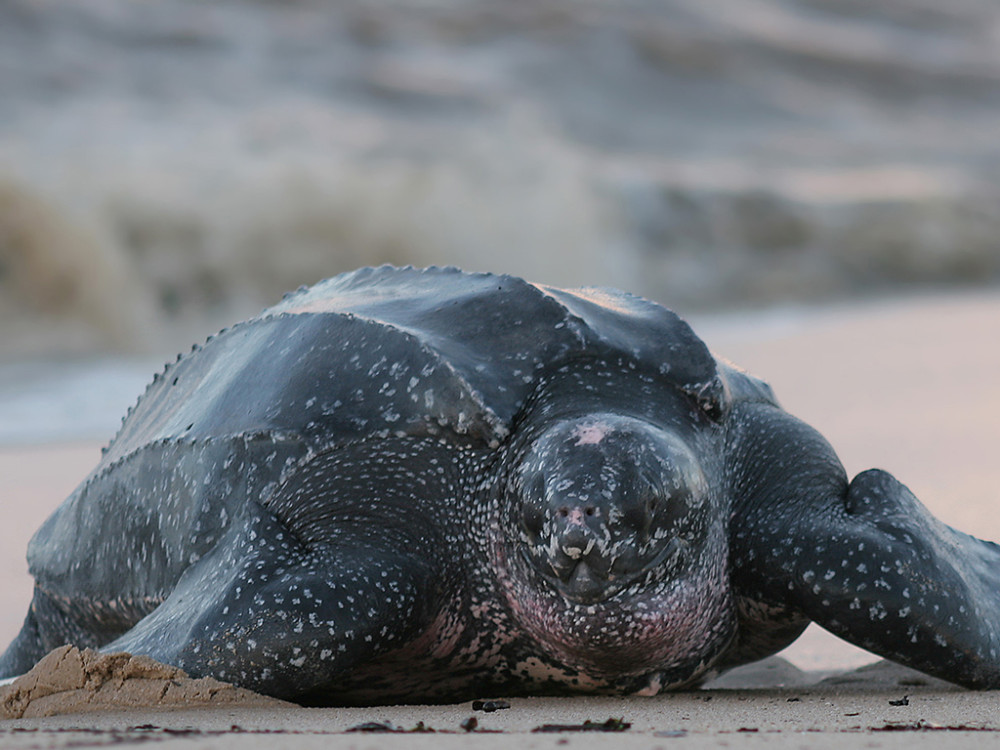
[{"x": 864, "y": 560}]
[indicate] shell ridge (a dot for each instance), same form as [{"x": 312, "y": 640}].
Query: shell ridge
[
  {"x": 490, "y": 417},
  {"x": 412, "y": 348},
  {"x": 405, "y": 299},
  {"x": 680, "y": 348},
  {"x": 170, "y": 366},
  {"x": 381, "y": 275},
  {"x": 470, "y": 364},
  {"x": 180, "y": 440}
]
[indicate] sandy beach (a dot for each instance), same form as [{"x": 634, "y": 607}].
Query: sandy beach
[{"x": 909, "y": 385}]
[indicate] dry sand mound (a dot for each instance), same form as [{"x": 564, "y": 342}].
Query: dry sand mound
[{"x": 69, "y": 680}]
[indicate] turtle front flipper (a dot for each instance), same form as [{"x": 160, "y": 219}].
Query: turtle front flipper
[
  {"x": 865, "y": 560},
  {"x": 306, "y": 587},
  {"x": 266, "y": 614}
]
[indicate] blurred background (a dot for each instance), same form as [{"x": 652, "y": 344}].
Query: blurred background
[
  {"x": 167, "y": 167},
  {"x": 774, "y": 169}
]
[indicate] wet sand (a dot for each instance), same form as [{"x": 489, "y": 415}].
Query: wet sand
[{"x": 912, "y": 386}]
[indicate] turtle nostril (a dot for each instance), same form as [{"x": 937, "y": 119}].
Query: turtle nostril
[
  {"x": 563, "y": 512},
  {"x": 590, "y": 510}
]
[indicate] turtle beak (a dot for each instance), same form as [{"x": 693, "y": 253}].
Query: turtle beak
[
  {"x": 576, "y": 580},
  {"x": 584, "y": 584},
  {"x": 592, "y": 578}
]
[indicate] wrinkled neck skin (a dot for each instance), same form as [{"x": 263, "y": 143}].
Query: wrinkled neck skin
[{"x": 611, "y": 541}]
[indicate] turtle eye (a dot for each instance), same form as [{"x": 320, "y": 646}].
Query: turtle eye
[
  {"x": 532, "y": 502},
  {"x": 640, "y": 513},
  {"x": 532, "y": 519}
]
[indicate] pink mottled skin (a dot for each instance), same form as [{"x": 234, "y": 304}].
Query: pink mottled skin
[
  {"x": 608, "y": 561},
  {"x": 591, "y": 434},
  {"x": 651, "y": 630}
]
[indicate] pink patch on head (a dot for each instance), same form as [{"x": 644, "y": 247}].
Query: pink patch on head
[{"x": 590, "y": 434}]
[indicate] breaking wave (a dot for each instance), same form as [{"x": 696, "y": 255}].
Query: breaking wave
[{"x": 166, "y": 167}]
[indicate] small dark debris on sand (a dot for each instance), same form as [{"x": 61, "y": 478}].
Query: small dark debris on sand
[
  {"x": 611, "y": 725},
  {"x": 470, "y": 724},
  {"x": 928, "y": 726},
  {"x": 385, "y": 727}
]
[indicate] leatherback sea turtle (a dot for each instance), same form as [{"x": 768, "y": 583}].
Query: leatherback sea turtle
[{"x": 425, "y": 485}]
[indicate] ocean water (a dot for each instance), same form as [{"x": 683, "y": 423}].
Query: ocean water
[
  {"x": 165, "y": 166},
  {"x": 68, "y": 402}
]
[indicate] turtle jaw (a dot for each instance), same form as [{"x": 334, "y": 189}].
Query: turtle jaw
[
  {"x": 656, "y": 618},
  {"x": 586, "y": 581}
]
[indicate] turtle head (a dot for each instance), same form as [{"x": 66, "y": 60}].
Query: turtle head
[
  {"x": 605, "y": 501},
  {"x": 613, "y": 553}
]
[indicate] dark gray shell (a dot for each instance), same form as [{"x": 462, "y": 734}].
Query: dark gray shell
[
  {"x": 407, "y": 351},
  {"x": 369, "y": 354}
]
